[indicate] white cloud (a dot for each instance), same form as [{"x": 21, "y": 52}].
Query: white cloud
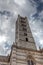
[
  {"x": 2, "y": 38},
  {"x": 20, "y": 2},
  {"x": 41, "y": 41},
  {"x": 5, "y": 25}
]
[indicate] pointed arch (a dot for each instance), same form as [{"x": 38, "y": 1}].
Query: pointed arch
[
  {"x": 30, "y": 57},
  {"x": 30, "y": 60}
]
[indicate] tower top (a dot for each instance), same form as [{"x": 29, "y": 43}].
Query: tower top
[{"x": 22, "y": 17}]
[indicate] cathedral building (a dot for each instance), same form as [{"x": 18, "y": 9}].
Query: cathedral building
[{"x": 23, "y": 51}]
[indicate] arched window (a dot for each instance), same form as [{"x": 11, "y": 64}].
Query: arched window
[{"x": 30, "y": 62}]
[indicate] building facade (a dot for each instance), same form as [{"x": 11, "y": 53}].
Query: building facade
[{"x": 23, "y": 51}]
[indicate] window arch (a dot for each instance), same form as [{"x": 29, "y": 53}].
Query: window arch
[{"x": 30, "y": 62}]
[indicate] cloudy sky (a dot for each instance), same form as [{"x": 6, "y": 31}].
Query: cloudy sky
[{"x": 9, "y": 10}]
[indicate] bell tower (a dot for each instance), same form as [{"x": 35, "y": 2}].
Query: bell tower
[
  {"x": 24, "y": 38},
  {"x": 23, "y": 51}
]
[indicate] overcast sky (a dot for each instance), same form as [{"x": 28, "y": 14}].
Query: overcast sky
[{"x": 9, "y": 10}]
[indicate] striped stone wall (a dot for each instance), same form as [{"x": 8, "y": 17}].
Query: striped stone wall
[{"x": 20, "y": 56}]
